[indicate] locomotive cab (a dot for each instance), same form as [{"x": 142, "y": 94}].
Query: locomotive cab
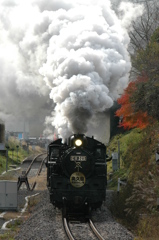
[{"x": 53, "y": 164}]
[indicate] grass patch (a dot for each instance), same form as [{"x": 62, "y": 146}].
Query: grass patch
[
  {"x": 13, "y": 225},
  {"x": 32, "y": 202},
  {"x": 7, "y": 236},
  {"x": 18, "y": 155},
  {"x": 148, "y": 227}
]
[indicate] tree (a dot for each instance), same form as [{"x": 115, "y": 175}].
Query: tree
[
  {"x": 131, "y": 118},
  {"x": 144, "y": 36},
  {"x": 146, "y": 96},
  {"x": 143, "y": 28}
]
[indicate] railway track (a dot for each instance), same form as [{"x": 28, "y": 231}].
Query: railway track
[
  {"x": 33, "y": 161},
  {"x": 30, "y": 172},
  {"x": 45, "y": 223},
  {"x": 91, "y": 229}
]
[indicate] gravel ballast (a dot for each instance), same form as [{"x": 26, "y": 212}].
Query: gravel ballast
[{"x": 46, "y": 223}]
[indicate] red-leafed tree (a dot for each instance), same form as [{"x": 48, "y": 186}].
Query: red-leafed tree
[{"x": 131, "y": 118}]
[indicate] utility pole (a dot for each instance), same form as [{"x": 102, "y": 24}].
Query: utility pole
[
  {"x": 7, "y": 158},
  {"x": 118, "y": 154},
  {"x": 12, "y": 149},
  {"x": 17, "y": 152}
]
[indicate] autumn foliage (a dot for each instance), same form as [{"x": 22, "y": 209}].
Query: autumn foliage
[{"x": 131, "y": 118}]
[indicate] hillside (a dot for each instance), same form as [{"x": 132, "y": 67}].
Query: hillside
[{"x": 136, "y": 205}]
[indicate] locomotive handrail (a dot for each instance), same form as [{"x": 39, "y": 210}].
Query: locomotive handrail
[
  {"x": 98, "y": 163},
  {"x": 51, "y": 162}
]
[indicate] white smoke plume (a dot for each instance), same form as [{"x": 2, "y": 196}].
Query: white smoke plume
[
  {"x": 87, "y": 64},
  {"x": 129, "y": 12},
  {"x": 73, "y": 52}
]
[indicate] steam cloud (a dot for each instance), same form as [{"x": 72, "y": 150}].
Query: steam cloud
[{"x": 74, "y": 51}]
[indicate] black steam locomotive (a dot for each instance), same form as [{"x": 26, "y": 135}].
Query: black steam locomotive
[{"x": 76, "y": 174}]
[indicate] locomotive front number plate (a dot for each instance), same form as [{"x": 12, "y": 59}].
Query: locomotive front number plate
[
  {"x": 78, "y": 158},
  {"x": 77, "y": 179}
]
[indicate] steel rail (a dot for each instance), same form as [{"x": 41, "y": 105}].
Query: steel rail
[
  {"x": 95, "y": 230},
  {"x": 67, "y": 229},
  {"x": 24, "y": 177},
  {"x": 29, "y": 168},
  {"x": 38, "y": 173},
  {"x": 40, "y": 168}
]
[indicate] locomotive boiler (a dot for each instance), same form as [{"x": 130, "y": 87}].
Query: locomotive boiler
[{"x": 76, "y": 174}]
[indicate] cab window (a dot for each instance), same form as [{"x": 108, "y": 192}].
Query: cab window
[
  {"x": 54, "y": 153},
  {"x": 99, "y": 152}
]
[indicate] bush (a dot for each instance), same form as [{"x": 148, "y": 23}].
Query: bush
[
  {"x": 119, "y": 205},
  {"x": 148, "y": 227}
]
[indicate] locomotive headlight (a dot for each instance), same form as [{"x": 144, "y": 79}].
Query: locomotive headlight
[{"x": 78, "y": 142}]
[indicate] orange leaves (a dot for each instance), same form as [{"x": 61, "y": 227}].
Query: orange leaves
[{"x": 131, "y": 118}]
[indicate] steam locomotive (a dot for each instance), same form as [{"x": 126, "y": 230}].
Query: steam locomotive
[{"x": 76, "y": 174}]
